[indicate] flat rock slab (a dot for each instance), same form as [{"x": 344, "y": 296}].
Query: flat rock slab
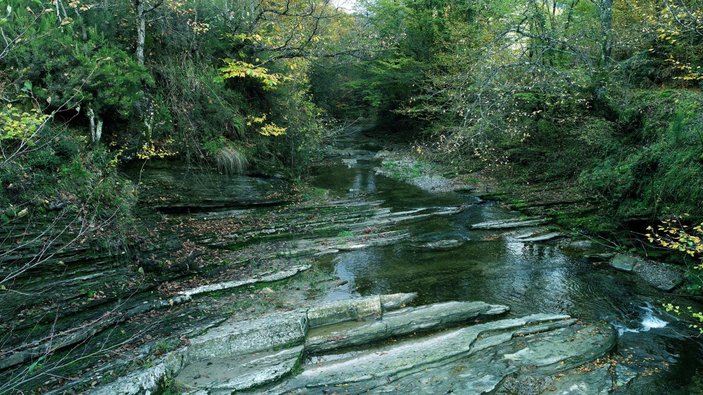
[
  {"x": 226, "y": 375},
  {"x": 398, "y": 323},
  {"x": 143, "y": 381},
  {"x": 236, "y": 338},
  {"x": 662, "y": 276},
  {"x": 470, "y": 360},
  {"x": 625, "y": 263},
  {"x": 539, "y": 237},
  {"x": 262, "y": 278},
  {"x": 245, "y": 354},
  {"x": 356, "y": 309},
  {"x": 591, "y": 380},
  {"x": 264, "y": 354},
  {"x": 509, "y": 223},
  {"x": 440, "y": 245}
]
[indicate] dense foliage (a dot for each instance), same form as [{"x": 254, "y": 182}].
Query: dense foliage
[
  {"x": 89, "y": 85},
  {"x": 595, "y": 93},
  {"x": 599, "y": 94}
]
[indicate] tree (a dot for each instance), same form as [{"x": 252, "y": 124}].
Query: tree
[{"x": 143, "y": 8}]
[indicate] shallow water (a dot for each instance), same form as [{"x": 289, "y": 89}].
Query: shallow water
[{"x": 493, "y": 267}]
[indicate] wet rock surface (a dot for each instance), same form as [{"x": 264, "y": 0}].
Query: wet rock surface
[
  {"x": 662, "y": 276},
  {"x": 510, "y": 223},
  {"x": 440, "y": 245}
]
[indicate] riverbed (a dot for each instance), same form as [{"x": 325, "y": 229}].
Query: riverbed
[
  {"x": 557, "y": 276},
  {"x": 229, "y": 247}
]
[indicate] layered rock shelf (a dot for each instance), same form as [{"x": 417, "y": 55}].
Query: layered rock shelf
[{"x": 376, "y": 344}]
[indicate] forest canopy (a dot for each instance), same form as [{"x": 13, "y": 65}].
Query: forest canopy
[{"x": 599, "y": 94}]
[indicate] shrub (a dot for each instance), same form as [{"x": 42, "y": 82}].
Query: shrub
[
  {"x": 659, "y": 168},
  {"x": 228, "y": 156}
]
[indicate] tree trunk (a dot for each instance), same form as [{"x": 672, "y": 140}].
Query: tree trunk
[
  {"x": 141, "y": 29},
  {"x": 60, "y": 11},
  {"x": 96, "y": 126},
  {"x": 606, "y": 20}
]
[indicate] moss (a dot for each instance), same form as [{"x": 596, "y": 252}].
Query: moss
[
  {"x": 403, "y": 170},
  {"x": 345, "y": 234}
]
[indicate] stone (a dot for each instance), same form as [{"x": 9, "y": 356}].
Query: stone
[
  {"x": 265, "y": 354},
  {"x": 525, "y": 385},
  {"x": 262, "y": 278},
  {"x": 398, "y": 323},
  {"x": 592, "y": 381},
  {"x": 623, "y": 262},
  {"x": 143, "y": 382},
  {"x": 441, "y": 245},
  {"x": 226, "y": 375},
  {"x": 396, "y": 301},
  {"x": 535, "y": 238},
  {"x": 471, "y": 360},
  {"x": 344, "y": 310},
  {"x": 234, "y": 338},
  {"x": 509, "y": 223},
  {"x": 624, "y": 375},
  {"x": 579, "y": 245},
  {"x": 662, "y": 276}
]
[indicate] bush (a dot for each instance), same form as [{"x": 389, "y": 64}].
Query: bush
[
  {"x": 64, "y": 175},
  {"x": 658, "y": 169},
  {"x": 228, "y": 156}
]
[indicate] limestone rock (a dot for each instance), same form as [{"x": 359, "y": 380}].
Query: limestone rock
[
  {"x": 539, "y": 237},
  {"x": 595, "y": 381},
  {"x": 662, "y": 276},
  {"x": 265, "y": 354},
  {"x": 225, "y": 375},
  {"x": 345, "y": 310},
  {"x": 396, "y": 301},
  {"x": 509, "y": 223},
  {"x": 473, "y": 359},
  {"x": 441, "y": 245},
  {"x": 624, "y": 262},
  {"x": 398, "y": 323},
  {"x": 262, "y": 278},
  {"x": 143, "y": 381},
  {"x": 235, "y": 338}
]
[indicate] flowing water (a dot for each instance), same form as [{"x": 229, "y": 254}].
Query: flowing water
[{"x": 496, "y": 268}]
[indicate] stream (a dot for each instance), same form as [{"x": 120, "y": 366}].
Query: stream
[
  {"x": 494, "y": 267},
  {"x": 231, "y": 249}
]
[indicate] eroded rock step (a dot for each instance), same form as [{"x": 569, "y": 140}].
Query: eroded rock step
[
  {"x": 471, "y": 360},
  {"x": 226, "y": 356},
  {"x": 510, "y": 223},
  {"x": 265, "y": 355},
  {"x": 397, "y": 323}
]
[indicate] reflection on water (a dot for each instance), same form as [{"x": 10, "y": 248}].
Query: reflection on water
[
  {"x": 528, "y": 277},
  {"x": 177, "y": 185}
]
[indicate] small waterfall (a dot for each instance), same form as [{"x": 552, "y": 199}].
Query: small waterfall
[{"x": 647, "y": 321}]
